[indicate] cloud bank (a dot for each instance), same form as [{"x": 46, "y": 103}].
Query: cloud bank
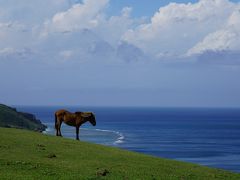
[
  {"x": 74, "y": 30},
  {"x": 188, "y": 29}
]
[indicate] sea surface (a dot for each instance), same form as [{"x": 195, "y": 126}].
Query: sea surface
[{"x": 205, "y": 136}]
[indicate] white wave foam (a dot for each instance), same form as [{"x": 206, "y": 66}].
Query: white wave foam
[
  {"x": 120, "y": 138},
  {"x": 47, "y": 130},
  {"x": 118, "y": 142}
]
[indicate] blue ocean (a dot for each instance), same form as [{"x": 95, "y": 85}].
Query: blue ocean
[{"x": 205, "y": 136}]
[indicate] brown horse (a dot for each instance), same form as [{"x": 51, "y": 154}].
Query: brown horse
[{"x": 72, "y": 119}]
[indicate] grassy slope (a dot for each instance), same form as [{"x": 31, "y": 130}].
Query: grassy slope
[
  {"x": 28, "y": 155},
  {"x": 11, "y": 118}
]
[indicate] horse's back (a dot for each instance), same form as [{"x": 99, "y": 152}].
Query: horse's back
[{"x": 61, "y": 112}]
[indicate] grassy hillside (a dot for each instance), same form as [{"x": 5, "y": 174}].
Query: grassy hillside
[
  {"x": 9, "y": 117},
  {"x": 32, "y": 155}
]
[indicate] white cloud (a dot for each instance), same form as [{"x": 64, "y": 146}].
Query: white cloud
[
  {"x": 76, "y": 30},
  {"x": 16, "y": 54},
  {"x": 90, "y": 15},
  {"x": 29, "y": 11},
  {"x": 113, "y": 28},
  {"x": 20, "y": 21},
  {"x": 87, "y": 32},
  {"x": 79, "y": 16},
  {"x": 14, "y": 35},
  {"x": 176, "y": 28},
  {"x": 227, "y": 38}
]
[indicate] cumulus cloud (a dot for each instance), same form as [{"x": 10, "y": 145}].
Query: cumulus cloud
[
  {"x": 85, "y": 32},
  {"x": 78, "y": 17},
  {"x": 74, "y": 29},
  {"x": 176, "y": 28},
  {"x": 90, "y": 15},
  {"x": 227, "y": 38},
  {"x": 113, "y": 28}
]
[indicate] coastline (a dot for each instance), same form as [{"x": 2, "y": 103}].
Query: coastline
[
  {"x": 117, "y": 137},
  {"x": 209, "y": 137},
  {"x": 10, "y": 117}
]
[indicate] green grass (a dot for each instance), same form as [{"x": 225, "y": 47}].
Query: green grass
[{"x": 30, "y": 155}]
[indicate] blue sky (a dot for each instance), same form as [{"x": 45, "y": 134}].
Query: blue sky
[
  {"x": 120, "y": 53},
  {"x": 141, "y": 8},
  {"x": 144, "y": 7}
]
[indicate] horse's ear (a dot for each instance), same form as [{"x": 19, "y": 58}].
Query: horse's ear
[{"x": 86, "y": 114}]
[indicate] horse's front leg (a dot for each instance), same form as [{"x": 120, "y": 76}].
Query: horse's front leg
[
  {"x": 77, "y": 132},
  {"x": 59, "y": 129}
]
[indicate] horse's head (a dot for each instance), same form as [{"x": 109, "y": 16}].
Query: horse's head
[{"x": 89, "y": 116}]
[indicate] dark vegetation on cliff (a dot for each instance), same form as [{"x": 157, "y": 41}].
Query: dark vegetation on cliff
[{"x": 11, "y": 118}]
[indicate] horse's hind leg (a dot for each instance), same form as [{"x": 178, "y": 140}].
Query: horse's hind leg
[
  {"x": 59, "y": 128},
  {"x": 77, "y": 132},
  {"x": 58, "y": 124},
  {"x": 56, "y": 127}
]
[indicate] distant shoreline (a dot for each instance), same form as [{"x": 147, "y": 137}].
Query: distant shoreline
[{"x": 10, "y": 117}]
